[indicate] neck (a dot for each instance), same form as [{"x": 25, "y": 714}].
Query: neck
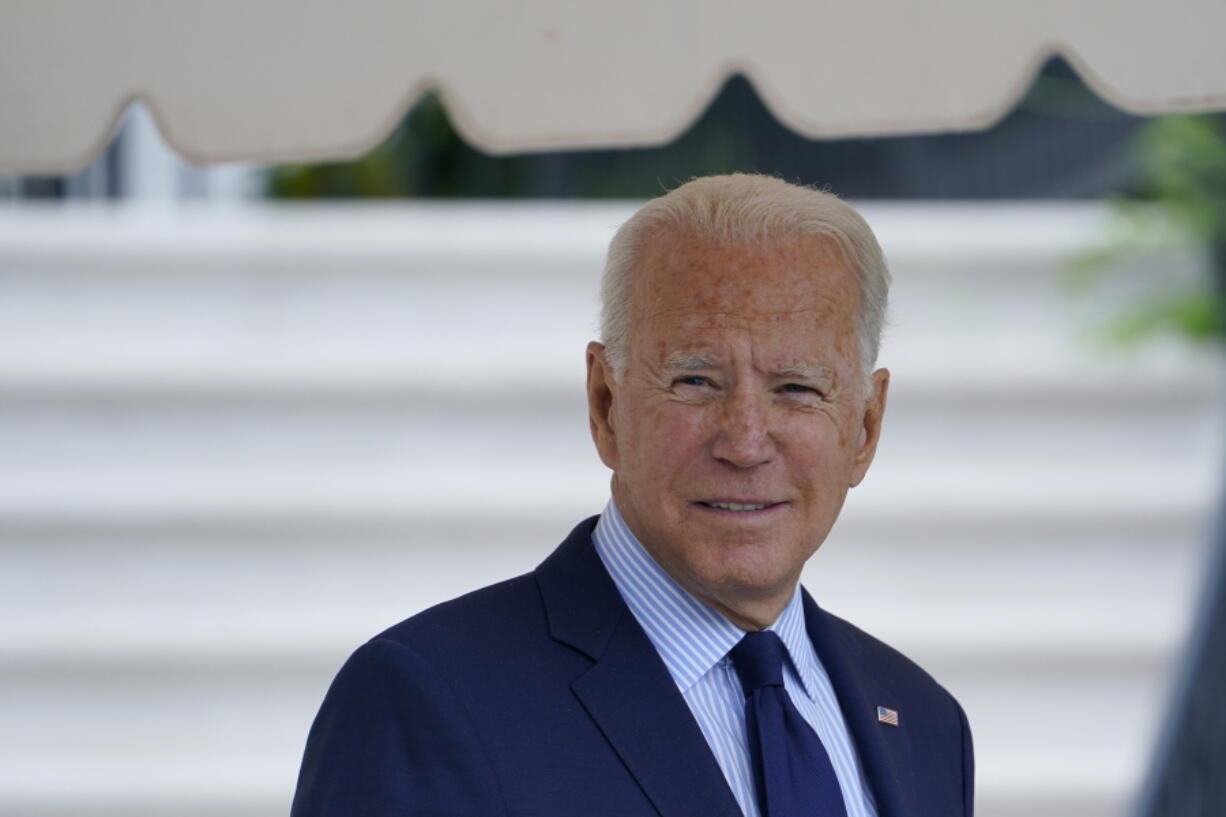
[{"x": 752, "y": 615}]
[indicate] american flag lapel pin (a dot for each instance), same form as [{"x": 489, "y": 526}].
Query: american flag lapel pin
[{"x": 887, "y": 715}]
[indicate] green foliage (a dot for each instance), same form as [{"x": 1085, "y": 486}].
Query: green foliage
[
  {"x": 1179, "y": 203},
  {"x": 1183, "y": 159},
  {"x": 423, "y": 156},
  {"x": 1196, "y": 315}
]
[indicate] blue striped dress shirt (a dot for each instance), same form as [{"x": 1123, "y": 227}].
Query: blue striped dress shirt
[{"x": 694, "y": 641}]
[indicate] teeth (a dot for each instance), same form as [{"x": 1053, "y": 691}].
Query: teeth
[{"x": 736, "y": 506}]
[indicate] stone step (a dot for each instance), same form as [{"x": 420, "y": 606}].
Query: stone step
[
  {"x": 239, "y": 787},
  {"x": 100, "y": 633},
  {"x": 1010, "y": 490},
  {"x": 224, "y": 755},
  {"x": 1075, "y": 730},
  {"x": 330, "y": 240},
  {"x": 159, "y": 367}
]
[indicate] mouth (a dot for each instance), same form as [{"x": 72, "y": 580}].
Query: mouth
[{"x": 739, "y": 506}]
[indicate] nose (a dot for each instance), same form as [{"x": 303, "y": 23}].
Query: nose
[{"x": 743, "y": 438}]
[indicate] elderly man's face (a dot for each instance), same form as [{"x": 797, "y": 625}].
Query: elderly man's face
[{"x": 741, "y": 418}]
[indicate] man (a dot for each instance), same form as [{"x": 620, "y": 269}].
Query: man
[{"x": 664, "y": 660}]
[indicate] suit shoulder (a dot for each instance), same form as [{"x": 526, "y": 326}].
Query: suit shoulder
[
  {"x": 510, "y": 609},
  {"x": 889, "y": 662}
]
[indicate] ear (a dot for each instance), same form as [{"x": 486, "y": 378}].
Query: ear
[
  {"x": 600, "y": 390},
  {"x": 870, "y": 425}
]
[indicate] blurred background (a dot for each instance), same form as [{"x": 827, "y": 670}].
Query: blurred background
[{"x": 250, "y": 416}]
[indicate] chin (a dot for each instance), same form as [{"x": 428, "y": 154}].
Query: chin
[{"x": 745, "y": 570}]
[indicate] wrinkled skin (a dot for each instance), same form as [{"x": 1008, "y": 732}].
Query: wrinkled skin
[{"x": 742, "y": 385}]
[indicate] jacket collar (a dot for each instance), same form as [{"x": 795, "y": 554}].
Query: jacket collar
[{"x": 628, "y": 691}]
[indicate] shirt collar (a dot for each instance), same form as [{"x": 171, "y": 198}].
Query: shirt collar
[
  {"x": 791, "y": 629},
  {"x": 690, "y": 636}
]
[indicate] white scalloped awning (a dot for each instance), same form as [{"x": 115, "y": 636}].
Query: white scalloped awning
[{"x": 289, "y": 80}]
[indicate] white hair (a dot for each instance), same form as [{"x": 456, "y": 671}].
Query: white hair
[{"x": 745, "y": 209}]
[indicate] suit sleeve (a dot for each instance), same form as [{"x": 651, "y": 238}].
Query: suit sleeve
[
  {"x": 968, "y": 765},
  {"x": 391, "y": 738}
]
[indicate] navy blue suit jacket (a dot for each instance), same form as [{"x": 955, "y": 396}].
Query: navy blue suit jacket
[{"x": 542, "y": 696}]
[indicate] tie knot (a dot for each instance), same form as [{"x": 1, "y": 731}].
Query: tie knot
[{"x": 758, "y": 658}]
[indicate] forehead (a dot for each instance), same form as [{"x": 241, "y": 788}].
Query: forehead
[{"x": 688, "y": 282}]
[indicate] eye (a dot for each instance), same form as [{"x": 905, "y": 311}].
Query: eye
[
  {"x": 801, "y": 390},
  {"x": 693, "y": 380}
]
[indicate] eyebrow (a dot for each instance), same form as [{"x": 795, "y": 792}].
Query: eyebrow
[
  {"x": 690, "y": 363},
  {"x": 803, "y": 372}
]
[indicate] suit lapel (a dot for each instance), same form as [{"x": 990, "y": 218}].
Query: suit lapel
[
  {"x": 635, "y": 702},
  {"x": 882, "y": 749},
  {"x": 628, "y": 691}
]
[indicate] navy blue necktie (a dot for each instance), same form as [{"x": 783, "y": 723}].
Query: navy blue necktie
[{"x": 791, "y": 768}]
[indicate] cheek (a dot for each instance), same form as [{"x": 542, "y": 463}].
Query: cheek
[
  {"x": 682, "y": 429},
  {"x": 818, "y": 448},
  {"x": 665, "y": 437}
]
